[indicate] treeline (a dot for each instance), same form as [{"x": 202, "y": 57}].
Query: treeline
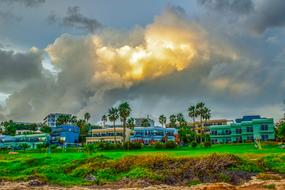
[{"x": 10, "y": 127}]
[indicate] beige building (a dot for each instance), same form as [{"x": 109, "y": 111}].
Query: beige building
[{"x": 108, "y": 135}]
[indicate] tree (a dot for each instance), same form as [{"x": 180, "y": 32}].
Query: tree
[
  {"x": 145, "y": 123},
  {"x": 45, "y": 129},
  {"x": 24, "y": 146},
  {"x": 87, "y": 116},
  {"x": 162, "y": 120},
  {"x": 81, "y": 123},
  {"x": 186, "y": 135},
  {"x": 206, "y": 115},
  {"x": 180, "y": 119},
  {"x": 200, "y": 109},
  {"x": 104, "y": 120},
  {"x": 124, "y": 112},
  {"x": 62, "y": 119},
  {"x": 280, "y": 131},
  {"x": 172, "y": 120},
  {"x": 73, "y": 120},
  {"x": 192, "y": 113},
  {"x": 113, "y": 116},
  {"x": 131, "y": 123},
  {"x": 66, "y": 119}
]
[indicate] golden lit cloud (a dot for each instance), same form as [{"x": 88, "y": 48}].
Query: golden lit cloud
[{"x": 170, "y": 44}]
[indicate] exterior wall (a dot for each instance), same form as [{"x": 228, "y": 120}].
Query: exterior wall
[
  {"x": 32, "y": 140},
  {"x": 245, "y": 131},
  {"x": 22, "y": 132},
  {"x": 65, "y": 134},
  {"x": 108, "y": 135},
  {"x": 149, "y": 135}
]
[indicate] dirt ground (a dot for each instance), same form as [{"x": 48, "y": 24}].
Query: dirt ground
[{"x": 253, "y": 184}]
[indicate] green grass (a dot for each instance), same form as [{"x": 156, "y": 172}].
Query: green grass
[
  {"x": 70, "y": 168},
  {"x": 239, "y": 149}
]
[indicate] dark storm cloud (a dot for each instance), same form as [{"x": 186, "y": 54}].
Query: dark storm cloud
[
  {"x": 238, "y": 6},
  {"x": 18, "y": 69},
  {"x": 268, "y": 14},
  {"x": 75, "y": 19},
  {"x": 19, "y": 66},
  {"x": 257, "y": 15},
  {"x": 28, "y": 3}
]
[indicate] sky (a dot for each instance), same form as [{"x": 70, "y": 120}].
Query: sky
[{"x": 78, "y": 56}]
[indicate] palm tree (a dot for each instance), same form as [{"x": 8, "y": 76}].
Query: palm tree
[
  {"x": 87, "y": 116},
  {"x": 124, "y": 112},
  {"x": 162, "y": 120},
  {"x": 180, "y": 119},
  {"x": 104, "y": 120},
  {"x": 131, "y": 123},
  {"x": 145, "y": 123},
  {"x": 172, "y": 120},
  {"x": 200, "y": 110},
  {"x": 81, "y": 123},
  {"x": 62, "y": 119},
  {"x": 113, "y": 116},
  {"x": 72, "y": 119},
  {"x": 192, "y": 113},
  {"x": 206, "y": 115}
]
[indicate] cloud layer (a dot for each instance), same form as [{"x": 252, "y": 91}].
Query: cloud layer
[{"x": 160, "y": 68}]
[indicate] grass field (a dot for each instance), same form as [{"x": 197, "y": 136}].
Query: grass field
[{"x": 71, "y": 168}]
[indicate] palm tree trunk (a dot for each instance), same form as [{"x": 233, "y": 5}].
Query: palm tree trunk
[
  {"x": 194, "y": 130},
  {"x": 124, "y": 130},
  {"x": 115, "y": 132}
]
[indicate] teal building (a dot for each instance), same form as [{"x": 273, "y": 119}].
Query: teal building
[{"x": 246, "y": 129}]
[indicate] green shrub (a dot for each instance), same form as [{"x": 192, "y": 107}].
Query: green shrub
[
  {"x": 141, "y": 173},
  {"x": 89, "y": 148},
  {"x": 270, "y": 186},
  {"x": 195, "y": 181},
  {"x": 108, "y": 146},
  {"x": 159, "y": 145},
  {"x": 207, "y": 144},
  {"x": 170, "y": 145},
  {"x": 136, "y": 145},
  {"x": 194, "y": 144}
]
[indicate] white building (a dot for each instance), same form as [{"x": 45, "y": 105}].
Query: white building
[{"x": 51, "y": 118}]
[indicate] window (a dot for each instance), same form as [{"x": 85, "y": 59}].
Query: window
[
  {"x": 238, "y": 131},
  {"x": 214, "y": 132},
  {"x": 249, "y": 129},
  {"x": 264, "y": 127},
  {"x": 250, "y": 138},
  {"x": 238, "y": 139},
  {"x": 228, "y": 140},
  {"x": 228, "y": 132},
  {"x": 264, "y": 137},
  {"x": 214, "y": 141}
]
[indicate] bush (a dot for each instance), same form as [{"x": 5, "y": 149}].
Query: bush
[
  {"x": 170, "y": 145},
  {"x": 159, "y": 145},
  {"x": 109, "y": 146},
  {"x": 132, "y": 145},
  {"x": 89, "y": 148},
  {"x": 207, "y": 144},
  {"x": 194, "y": 144}
]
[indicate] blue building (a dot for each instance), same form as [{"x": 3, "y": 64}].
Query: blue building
[
  {"x": 65, "y": 135},
  {"x": 150, "y": 135},
  {"x": 32, "y": 140},
  {"x": 245, "y": 129}
]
